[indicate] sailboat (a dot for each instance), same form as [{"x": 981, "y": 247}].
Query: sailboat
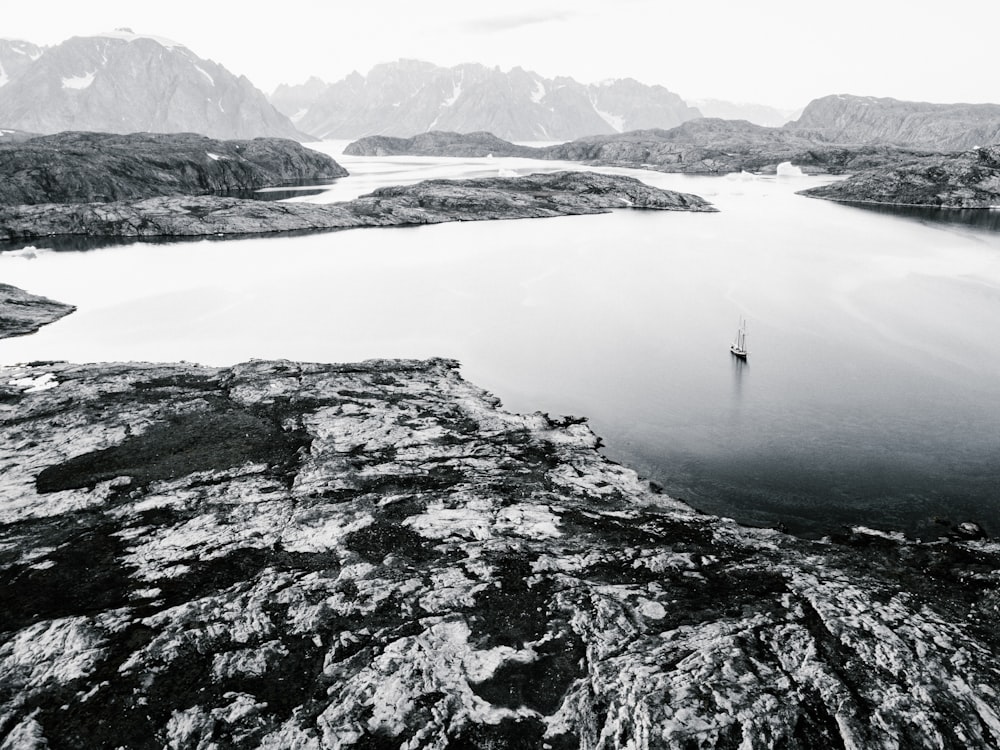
[{"x": 739, "y": 346}]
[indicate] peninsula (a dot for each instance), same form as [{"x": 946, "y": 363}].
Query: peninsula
[
  {"x": 970, "y": 179},
  {"x": 280, "y": 554},
  {"x": 22, "y": 313},
  {"x": 77, "y": 167},
  {"x": 428, "y": 202}
]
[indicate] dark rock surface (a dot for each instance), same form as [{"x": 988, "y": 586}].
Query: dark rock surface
[
  {"x": 702, "y": 146},
  {"x": 966, "y": 180},
  {"x": 120, "y": 82},
  {"x": 286, "y": 555},
  {"x": 428, "y": 202},
  {"x": 869, "y": 119},
  {"x": 22, "y": 313},
  {"x": 440, "y": 143},
  {"x": 80, "y": 167},
  {"x": 407, "y": 97}
]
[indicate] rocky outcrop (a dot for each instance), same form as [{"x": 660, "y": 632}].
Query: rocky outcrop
[
  {"x": 316, "y": 556},
  {"x": 869, "y": 119},
  {"x": 22, "y": 313},
  {"x": 702, "y": 146},
  {"x": 439, "y": 143},
  {"x": 122, "y": 82},
  {"x": 408, "y": 97},
  {"x": 968, "y": 180},
  {"x": 77, "y": 167},
  {"x": 428, "y": 202}
]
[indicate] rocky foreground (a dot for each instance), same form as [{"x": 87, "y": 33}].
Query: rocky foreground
[
  {"x": 428, "y": 202},
  {"x": 76, "y": 167},
  {"x": 22, "y": 313},
  {"x": 285, "y": 555},
  {"x": 966, "y": 180}
]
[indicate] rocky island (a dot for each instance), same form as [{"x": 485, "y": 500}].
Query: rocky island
[
  {"x": 376, "y": 555},
  {"x": 428, "y": 202},
  {"x": 77, "y": 167},
  {"x": 22, "y": 313},
  {"x": 703, "y": 146},
  {"x": 966, "y": 180}
]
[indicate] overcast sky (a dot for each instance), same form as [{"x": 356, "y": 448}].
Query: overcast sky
[{"x": 778, "y": 52}]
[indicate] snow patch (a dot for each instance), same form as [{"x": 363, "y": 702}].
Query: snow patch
[
  {"x": 539, "y": 93},
  {"x": 615, "y": 121},
  {"x": 129, "y": 36},
  {"x": 300, "y": 114},
  {"x": 211, "y": 81},
  {"x": 4, "y": 78},
  {"x": 455, "y": 93},
  {"x": 216, "y": 157},
  {"x": 79, "y": 82},
  {"x": 34, "y": 385}
]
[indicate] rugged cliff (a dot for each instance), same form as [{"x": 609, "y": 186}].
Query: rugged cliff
[
  {"x": 22, "y": 313},
  {"x": 428, "y": 202},
  {"x": 409, "y": 97},
  {"x": 966, "y": 180},
  {"x": 78, "y": 167},
  {"x": 121, "y": 82},
  {"x": 285, "y": 555},
  {"x": 868, "y": 119}
]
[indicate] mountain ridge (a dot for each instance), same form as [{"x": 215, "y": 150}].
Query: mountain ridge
[
  {"x": 408, "y": 97},
  {"x": 121, "y": 82}
]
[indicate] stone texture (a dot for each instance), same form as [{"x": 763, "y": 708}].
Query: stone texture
[
  {"x": 285, "y": 555},
  {"x": 428, "y": 202},
  {"x": 22, "y": 313},
  {"x": 440, "y": 143},
  {"x": 78, "y": 167},
  {"x": 966, "y": 180}
]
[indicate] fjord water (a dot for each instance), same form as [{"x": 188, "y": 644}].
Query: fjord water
[{"x": 871, "y": 394}]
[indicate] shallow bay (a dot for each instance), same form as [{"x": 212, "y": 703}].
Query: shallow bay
[{"x": 871, "y": 394}]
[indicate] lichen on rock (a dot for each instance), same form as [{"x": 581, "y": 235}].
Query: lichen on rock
[{"x": 283, "y": 554}]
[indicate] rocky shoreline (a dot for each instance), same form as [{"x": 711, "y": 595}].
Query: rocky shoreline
[
  {"x": 77, "y": 167},
  {"x": 428, "y": 202},
  {"x": 282, "y": 554},
  {"x": 702, "y": 146},
  {"x": 22, "y": 313},
  {"x": 966, "y": 180}
]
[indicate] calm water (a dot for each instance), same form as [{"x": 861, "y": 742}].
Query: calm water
[{"x": 871, "y": 394}]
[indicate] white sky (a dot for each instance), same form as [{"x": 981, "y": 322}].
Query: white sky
[{"x": 778, "y": 52}]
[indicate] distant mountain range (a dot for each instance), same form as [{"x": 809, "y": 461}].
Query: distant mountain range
[
  {"x": 121, "y": 82},
  {"x": 408, "y": 97},
  {"x": 758, "y": 114}
]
